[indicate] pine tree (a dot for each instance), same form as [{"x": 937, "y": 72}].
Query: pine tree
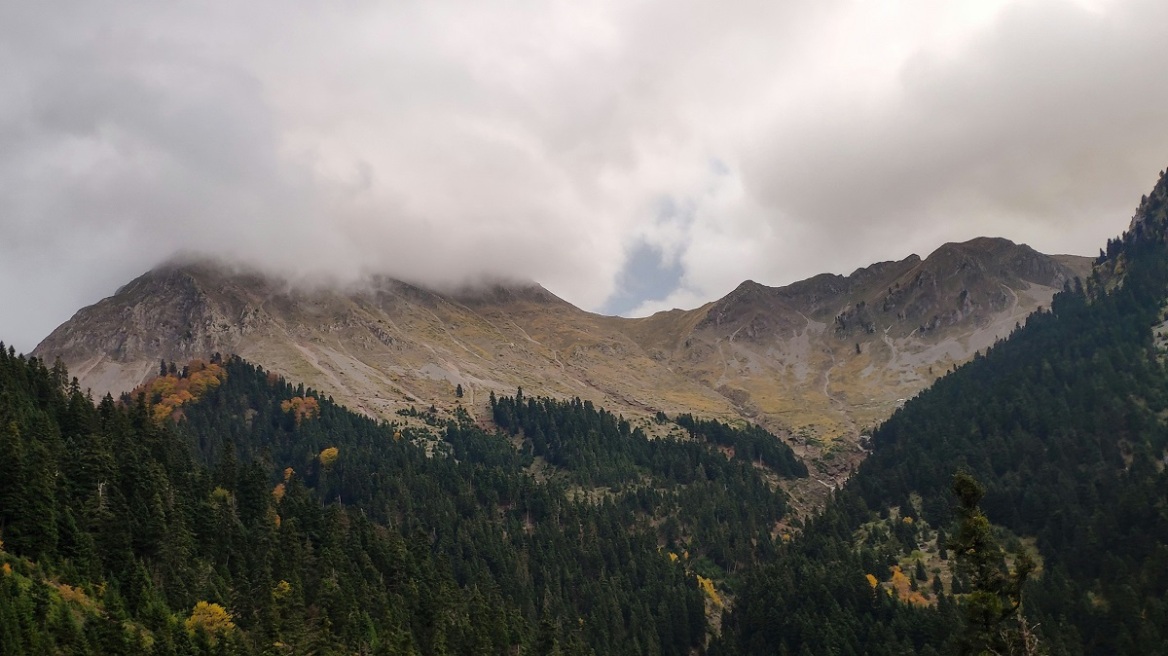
[{"x": 993, "y": 622}]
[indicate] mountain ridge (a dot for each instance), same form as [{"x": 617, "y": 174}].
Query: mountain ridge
[{"x": 822, "y": 357}]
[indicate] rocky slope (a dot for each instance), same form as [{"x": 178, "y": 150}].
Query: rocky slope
[
  {"x": 377, "y": 348},
  {"x": 823, "y": 358},
  {"x": 832, "y": 355}
]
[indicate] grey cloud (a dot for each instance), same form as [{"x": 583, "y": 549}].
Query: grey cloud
[
  {"x": 1052, "y": 115},
  {"x": 1045, "y": 127},
  {"x": 442, "y": 142}
]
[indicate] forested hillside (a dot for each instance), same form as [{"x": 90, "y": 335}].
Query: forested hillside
[
  {"x": 1064, "y": 424},
  {"x": 708, "y": 494},
  {"x": 220, "y": 509}
]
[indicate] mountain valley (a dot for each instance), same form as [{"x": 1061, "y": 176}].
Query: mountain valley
[{"x": 619, "y": 499}]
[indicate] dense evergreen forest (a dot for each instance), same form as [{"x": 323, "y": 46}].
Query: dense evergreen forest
[
  {"x": 1064, "y": 424},
  {"x": 221, "y": 510},
  {"x": 1020, "y": 505},
  {"x": 720, "y": 510}
]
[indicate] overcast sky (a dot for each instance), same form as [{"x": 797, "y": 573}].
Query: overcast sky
[{"x": 629, "y": 155}]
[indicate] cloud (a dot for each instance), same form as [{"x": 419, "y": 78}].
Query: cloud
[
  {"x": 569, "y": 143},
  {"x": 1045, "y": 125}
]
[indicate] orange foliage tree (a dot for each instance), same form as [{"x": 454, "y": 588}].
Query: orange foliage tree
[
  {"x": 301, "y": 407},
  {"x": 167, "y": 393}
]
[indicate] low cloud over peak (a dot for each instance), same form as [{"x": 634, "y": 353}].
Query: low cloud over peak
[{"x": 629, "y": 156}]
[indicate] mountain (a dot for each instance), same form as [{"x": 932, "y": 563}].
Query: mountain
[
  {"x": 826, "y": 357},
  {"x": 1017, "y": 505},
  {"x": 832, "y": 354},
  {"x": 1064, "y": 425},
  {"x": 377, "y": 348}
]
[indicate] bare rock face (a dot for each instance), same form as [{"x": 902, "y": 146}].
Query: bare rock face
[
  {"x": 823, "y": 357},
  {"x": 163, "y": 314}
]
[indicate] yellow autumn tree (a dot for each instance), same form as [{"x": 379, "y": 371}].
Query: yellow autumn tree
[
  {"x": 73, "y": 595},
  {"x": 707, "y": 587},
  {"x": 211, "y": 618},
  {"x": 281, "y": 590},
  {"x": 903, "y": 587},
  {"x": 329, "y": 456}
]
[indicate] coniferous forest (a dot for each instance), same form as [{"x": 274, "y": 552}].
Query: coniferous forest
[
  {"x": 1020, "y": 505},
  {"x": 255, "y": 517},
  {"x": 1064, "y": 424}
]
